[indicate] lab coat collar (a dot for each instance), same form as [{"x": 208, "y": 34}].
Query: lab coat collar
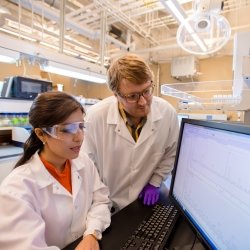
[
  {"x": 44, "y": 179},
  {"x": 42, "y": 176},
  {"x": 113, "y": 116}
]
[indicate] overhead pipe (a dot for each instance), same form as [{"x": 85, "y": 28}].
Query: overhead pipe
[
  {"x": 124, "y": 19},
  {"x": 52, "y": 15},
  {"x": 62, "y": 25},
  {"x": 103, "y": 33}
]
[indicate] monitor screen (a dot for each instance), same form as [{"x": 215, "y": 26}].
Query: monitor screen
[
  {"x": 31, "y": 87},
  {"x": 211, "y": 182},
  {"x": 24, "y": 87}
]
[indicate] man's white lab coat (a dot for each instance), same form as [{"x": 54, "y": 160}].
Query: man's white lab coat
[
  {"x": 37, "y": 212},
  {"x": 124, "y": 165}
]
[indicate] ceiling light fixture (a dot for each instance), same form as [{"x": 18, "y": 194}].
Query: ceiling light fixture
[
  {"x": 213, "y": 36},
  {"x": 212, "y": 28},
  {"x": 55, "y": 62},
  {"x": 205, "y": 31},
  {"x": 74, "y": 72},
  {"x": 19, "y": 27},
  {"x": 7, "y": 59},
  {"x": 176, "y": 10},
  {"x": 8, "y": 56},
  {"x": 18, "y": 35}
]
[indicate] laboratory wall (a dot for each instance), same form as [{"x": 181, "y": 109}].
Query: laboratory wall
[
  {"x": 213, "y": 69},
  {"x": 210, "y": 69}
]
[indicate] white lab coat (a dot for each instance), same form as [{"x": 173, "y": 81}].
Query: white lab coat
[
  {"x": 37, "y": 212},
  {"x": 124, "y": 165}
]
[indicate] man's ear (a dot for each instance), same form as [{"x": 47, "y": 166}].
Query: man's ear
[{"x": 40, "y": 134}]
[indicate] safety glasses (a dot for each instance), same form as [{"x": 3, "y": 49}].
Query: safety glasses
[
  {"x": 63, "y": 131},
  {"x": 135, "y": 97}
]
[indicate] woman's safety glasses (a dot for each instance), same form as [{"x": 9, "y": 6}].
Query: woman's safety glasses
[{"x": 63, "y": 131}]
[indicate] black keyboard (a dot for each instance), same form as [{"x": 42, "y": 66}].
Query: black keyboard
[{"x": 154, "y": 231}]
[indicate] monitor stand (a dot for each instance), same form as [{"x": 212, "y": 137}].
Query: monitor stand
[
  {"x": 197, "y": 246},
  {"x": 182, "y": 237}
]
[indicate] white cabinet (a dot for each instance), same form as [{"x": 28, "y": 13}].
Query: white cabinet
[
  {"x": 9, "y": 155},
  {"x": 6, "y": 165}
]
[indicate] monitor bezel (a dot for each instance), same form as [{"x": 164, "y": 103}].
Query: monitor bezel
[
  {"x": 18, "y": 83},
  {"x": 225, "y": 126}
]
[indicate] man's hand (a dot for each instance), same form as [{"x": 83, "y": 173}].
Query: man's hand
[{"x": 150, "y": 194}]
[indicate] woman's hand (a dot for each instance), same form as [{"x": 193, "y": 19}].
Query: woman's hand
[{"x": 89, "y": 242}]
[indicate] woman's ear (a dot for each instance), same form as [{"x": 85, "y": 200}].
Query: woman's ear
[{"x": 40, "y": 134}]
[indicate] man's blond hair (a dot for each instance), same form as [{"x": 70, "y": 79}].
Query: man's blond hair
[{"x": 130, "y": 67}]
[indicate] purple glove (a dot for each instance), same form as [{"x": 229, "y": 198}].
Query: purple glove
[{"x": 150, "y": 194}]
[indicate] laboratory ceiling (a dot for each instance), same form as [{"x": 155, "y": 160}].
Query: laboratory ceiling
[{"x": 99, "y": 30}]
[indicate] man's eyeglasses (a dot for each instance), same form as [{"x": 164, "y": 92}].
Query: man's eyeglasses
[
  {"x": 62, "y": 131},
  {"x": 135, "y": 97}
]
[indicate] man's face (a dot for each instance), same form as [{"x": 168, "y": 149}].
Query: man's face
[{"x": 128, "y": 90}]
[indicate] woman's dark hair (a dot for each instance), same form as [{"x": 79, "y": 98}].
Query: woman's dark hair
[{"x": 48, "y": 109}]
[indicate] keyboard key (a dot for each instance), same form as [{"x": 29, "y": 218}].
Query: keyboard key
[{"x": 154, "y": 231}]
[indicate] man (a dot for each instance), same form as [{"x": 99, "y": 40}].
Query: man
[{"x": 132, "y": 135}]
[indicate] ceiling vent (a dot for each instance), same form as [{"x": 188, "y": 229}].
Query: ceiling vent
[{"x": 117, "y": 33}]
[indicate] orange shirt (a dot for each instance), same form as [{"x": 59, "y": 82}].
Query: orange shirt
[{"x": 63, "y": 177}]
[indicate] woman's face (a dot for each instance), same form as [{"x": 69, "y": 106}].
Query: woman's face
[{"x": 64, "y": 141}]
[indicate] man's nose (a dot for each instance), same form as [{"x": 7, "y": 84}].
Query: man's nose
[{"x": 142, "y": 100}]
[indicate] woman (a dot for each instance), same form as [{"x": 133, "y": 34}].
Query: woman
[{"x": 53, "y": 197}]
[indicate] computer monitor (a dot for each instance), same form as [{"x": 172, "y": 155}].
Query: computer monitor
[
  {"x": 24, "y": 87},
  {"x": 211, "y": 182},
  {"x": 181, "y": 116}
]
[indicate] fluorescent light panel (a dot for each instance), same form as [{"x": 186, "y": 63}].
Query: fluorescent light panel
[
  {"x": 66, "y": 70},
  {"x": 8, "y": 56},
  {"x": 17, "y": 34},
  {"x": 7, "y": 59},
  {"x": 176, "y": 11},
  {"x": 20, "y": 26}
]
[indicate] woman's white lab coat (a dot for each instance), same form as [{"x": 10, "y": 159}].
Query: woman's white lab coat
[
  {"x": 124, "y": 165},
  {"x": 37, "y": 212}
]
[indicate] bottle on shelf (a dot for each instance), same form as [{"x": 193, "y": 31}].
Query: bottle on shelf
[
  {"x": 5, "y": 120},
  {"x": 14, "y": 119}
]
